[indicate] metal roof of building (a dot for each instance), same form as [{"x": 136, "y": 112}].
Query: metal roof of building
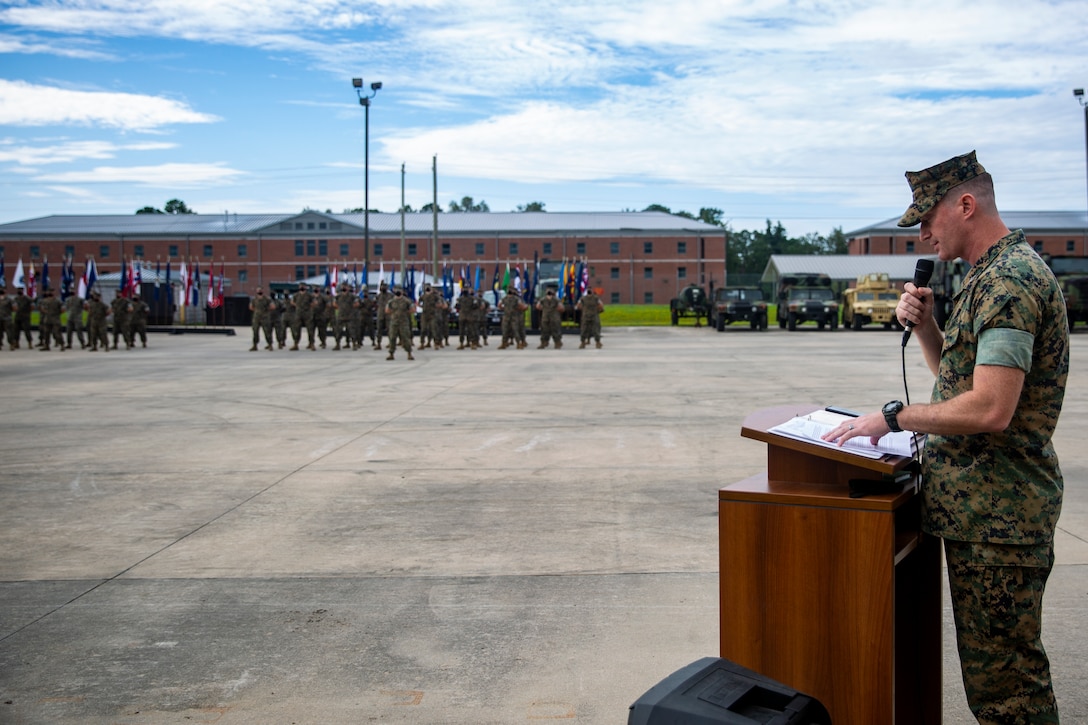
[
  {"x": 149, "y": 225},
  {"x": 843, "y": 267},
  {"x": 1039, "y": 222}
]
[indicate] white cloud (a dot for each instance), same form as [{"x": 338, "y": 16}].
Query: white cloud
[
  {"x": 69, "y": 151},
  {"x": 26, "y": 104},
  {"x": 178, "y": 175}
]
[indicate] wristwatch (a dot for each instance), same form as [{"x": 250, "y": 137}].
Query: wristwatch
[{"x": 891, "y": 410}]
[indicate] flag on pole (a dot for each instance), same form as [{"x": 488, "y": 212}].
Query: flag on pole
[
  {"x": 158, "y": 277},
  {"x": 122, "y": 281},
  {"x": 45, "y": 274},
  {"x": 3, "y": 276},
  {"x": 213, "y": 301},
  {"x": 222, "y": 274},
  {"x": 90, "y": 276},
  {"x": 183, "y": 286},
  {"x": 196, "y": 283},
  {"x": 19, "y": 280},
  {"x": 31, "y": 283},
  {"x": 67, "y": 278},
  {"x": 137, "y": 278},
  {"x": 506, "y": 278}
]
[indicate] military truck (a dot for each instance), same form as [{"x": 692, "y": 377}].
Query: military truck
[
  {"x": 738, "y": 304},
  {"x": 946, "y": 282},
  {"x": 872, "y": 300},
  {"x": 807, "y": 298},
  {"x": 1072, "y": 274},
  {"x": 692, "y": 302}
]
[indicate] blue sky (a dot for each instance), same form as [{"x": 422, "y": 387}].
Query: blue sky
[{"x": 799, "y": 111}]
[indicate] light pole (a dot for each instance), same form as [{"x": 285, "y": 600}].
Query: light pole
[{"x": 364, "y": 101}]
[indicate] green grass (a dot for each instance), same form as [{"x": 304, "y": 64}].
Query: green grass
[{"x": 655, "y": 315}]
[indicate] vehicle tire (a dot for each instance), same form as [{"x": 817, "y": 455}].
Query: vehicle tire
[
  {"x": 791, "y": 322},
  {"x": 834, "y": 323},
  {"x": 763, "y": 323},
  {"x": 675, "y": 316},
  {"x": 820, "y": 325},
  {"x": 721, "y": 324},
  {"x": 856, "y": 323}
]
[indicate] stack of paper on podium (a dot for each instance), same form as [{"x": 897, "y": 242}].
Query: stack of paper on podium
[{"x": 813, "y": 426}]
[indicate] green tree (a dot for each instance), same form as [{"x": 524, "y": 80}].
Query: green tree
[
  {"x": 149, "y": 210},
  {"x": 531, "y": 206},
  {"x": 177, "y": 206},
  {"x": 429, "y": 208},
  {"x": 658, "y": 207},
  {"x": 468, "y": 204}
]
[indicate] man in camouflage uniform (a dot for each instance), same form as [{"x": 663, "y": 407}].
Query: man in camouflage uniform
[
  {"x": 323, "y": 308},
  {"x": 368, "y": 312},
  {"x": 21, "y": 304},
  {"x": 6, "y": 325},
  {"x": 50, "y": 309},
  {"x": 512, "y": 307},
  {"x": 120, "y": 307},
  {"x": 345, "y": 300},
  {"x": 382, "y": 304},
  {"x": 482, "y": 307},
  {"x": 279, "y": 319},
  {"x": 428, "y": 311},
  {"x": 261, "y": 307},
  {"x": 466, "y": 319},
  {"x": 591, "y": 307},
  {"x": 304, "y": 311},
  {"x": 992, "y": 488},
  {"x": 399, "y": 312},
  {"x": 97, "y": 311},
  {"x": 137, "y": 320},
  {"x": 551, "y": 320},
  {"x": 74, "y": 306}
]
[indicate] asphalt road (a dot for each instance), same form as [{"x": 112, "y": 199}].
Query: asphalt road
[{"x": 195, "y": 533}]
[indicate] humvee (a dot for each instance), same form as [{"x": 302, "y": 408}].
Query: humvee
[
  {"x": 738, "y": 304},
  {"x": 871, "y": 300},
  {"x": 805, "y": 297}
]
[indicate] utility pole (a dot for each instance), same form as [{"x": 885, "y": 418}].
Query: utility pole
[{"x": 434, "y": 214}]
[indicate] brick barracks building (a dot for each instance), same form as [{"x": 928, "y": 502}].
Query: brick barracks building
[
  {"x": 1053, "y": 233},
  {"x": 634, "y": 257}
]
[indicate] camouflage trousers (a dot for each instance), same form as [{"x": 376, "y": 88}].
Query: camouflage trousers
[
  {"x": 997, "y": 601},
  {"x": 591, "y": 328}
]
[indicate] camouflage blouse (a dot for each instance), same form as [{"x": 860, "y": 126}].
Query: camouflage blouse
[{"x": 1001, "y": 487}]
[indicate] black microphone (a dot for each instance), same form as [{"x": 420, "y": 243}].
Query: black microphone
[{"x": 923, "y": 270}]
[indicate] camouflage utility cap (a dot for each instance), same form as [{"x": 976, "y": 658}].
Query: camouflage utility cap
[{"x": 930, "y": 185}]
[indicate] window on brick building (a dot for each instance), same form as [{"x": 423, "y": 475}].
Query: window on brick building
[
  {"x": 1070, "y": 245},
  {"x": 648, "y": 298},
  {"x": 615, "y": 298},
  {"x": 647, "y": 272},
  {"x": 445, "y": 249},
  {"x": 104, "y": 251},
  {"x": 243, "y": 252},
  {"x": 208, "y": 251},
  {"x": 479, "y": 249},
  {"x": 378, "y": 249},
  {"x": 300, "y": 272},
  {"x": 322, "y": 247},
  {"x": 513, "y": 248},
  {"x": 172, "y": 250},
  {"x": 547, "y": 249},
  {"x": 345, "y": 250},
  {"x": 311, "y": 247},
  {"x": 412, "y": 249},
  {"x": 613, "y": 247},
  {"x": 138, "y": 251},
  {"x": 243, "y": 275},
  {"x": 681, "y": 272},
  {"x": 580, "y": 248},
  {"x": 300, "y": 248},
  {"x": 681, "y": 247},
  {"x": 647, "y": 247},
  {"x": 614, "y": 273}
]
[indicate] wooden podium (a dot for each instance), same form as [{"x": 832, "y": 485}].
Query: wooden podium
[{"x": 836, "y": 597}]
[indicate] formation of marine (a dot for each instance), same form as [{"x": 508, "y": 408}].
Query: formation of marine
[{"x": 60, "y": 322}]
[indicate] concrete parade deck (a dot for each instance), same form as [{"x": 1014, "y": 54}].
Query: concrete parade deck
[{"x": 195, "y": 533}]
